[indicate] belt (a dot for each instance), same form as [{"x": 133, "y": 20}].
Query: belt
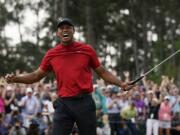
[{"x": 77, "y": 97}]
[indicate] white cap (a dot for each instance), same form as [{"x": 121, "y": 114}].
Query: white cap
[
  {"x": 167, "y": 97},
  {"x": 46, "y": 102},
  {"x": 150, "y": 92},
  {"x": 29, "y": 90},
  {"x": 95, "y": 86},
  {"x": 8, "y": 88},
  {"x": 109, "y": 86}
]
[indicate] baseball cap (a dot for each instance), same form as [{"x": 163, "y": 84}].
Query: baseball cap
[
  {"x": 29, "y": 90},
  {"x": 136, "y": 93},
  {"x": 9, "y": 88},
  {"x": 150, "y": 92},
  {"x": 167, "y": 98},
  {"x": 34, "y": 122},
  {"x": 62, "y": 21}
]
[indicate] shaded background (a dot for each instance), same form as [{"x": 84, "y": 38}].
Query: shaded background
[{"x": 132, "y": 35}]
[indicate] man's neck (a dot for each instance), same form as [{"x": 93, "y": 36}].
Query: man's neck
[{"x": 67, "y": 43}]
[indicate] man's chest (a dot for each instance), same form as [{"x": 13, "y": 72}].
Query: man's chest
[{"x": 70, "y": 61}]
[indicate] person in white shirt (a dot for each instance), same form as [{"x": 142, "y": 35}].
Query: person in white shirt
[
  {"x": 113, "y": 113},
  {"x": 30, "y": 106}
]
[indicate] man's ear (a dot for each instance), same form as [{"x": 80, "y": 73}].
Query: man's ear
[
  {"x": 73, "y": 30},
  {"x": 57, "y": 33}
]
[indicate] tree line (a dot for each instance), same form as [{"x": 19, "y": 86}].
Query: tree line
[{"x": 132, "y": 35}]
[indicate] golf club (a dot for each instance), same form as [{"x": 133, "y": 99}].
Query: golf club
[{"x": 138, "y": 79}]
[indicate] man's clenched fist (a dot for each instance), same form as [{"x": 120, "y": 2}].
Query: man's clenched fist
[{"x": 10, "y": 78}]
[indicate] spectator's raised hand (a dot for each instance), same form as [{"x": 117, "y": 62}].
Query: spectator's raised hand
[{"x": 126, "y": 75}]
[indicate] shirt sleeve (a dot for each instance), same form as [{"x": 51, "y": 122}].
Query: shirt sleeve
[
  {"x": 94, "y": 62},
  {"x": 45, "y": 63}
]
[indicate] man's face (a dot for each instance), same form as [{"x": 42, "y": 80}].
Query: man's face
[
  {"x": 65, "y": 32},
  {"x": 29, "y": 94}
]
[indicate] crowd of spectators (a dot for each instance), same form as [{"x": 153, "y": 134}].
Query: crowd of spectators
[
  {"x": 148, "y": 108},
  {"x": 26, "y": 109}
]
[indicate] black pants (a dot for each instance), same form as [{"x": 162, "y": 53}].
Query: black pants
[{"x": 70, "y": 110}]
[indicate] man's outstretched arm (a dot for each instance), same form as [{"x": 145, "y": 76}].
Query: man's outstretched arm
[
  {"x": 109, "y": 77},
  {"x": 27, "y": 78}
]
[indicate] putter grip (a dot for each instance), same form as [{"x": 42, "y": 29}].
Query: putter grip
[{"x": 135, "y": 81}]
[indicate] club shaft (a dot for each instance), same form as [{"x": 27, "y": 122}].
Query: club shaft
[
  {"x": 139, "y": 78},
  {"x": 161, "y": 63}
]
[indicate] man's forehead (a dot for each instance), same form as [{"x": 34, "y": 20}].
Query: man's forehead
[{"x": 65, "y": 25}]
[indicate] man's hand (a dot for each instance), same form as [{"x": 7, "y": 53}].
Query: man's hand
[
  {"x": 10, "y": 78},
  {"x": 127, "y": 86}
]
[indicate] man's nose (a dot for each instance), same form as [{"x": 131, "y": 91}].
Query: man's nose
[{"x": 65, "y": 30}]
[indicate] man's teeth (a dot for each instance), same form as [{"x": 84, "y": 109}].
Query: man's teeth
[{"x": 65, "y": 35}]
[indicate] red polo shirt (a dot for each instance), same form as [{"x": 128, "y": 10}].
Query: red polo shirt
[{"x": 72, "y": 66}]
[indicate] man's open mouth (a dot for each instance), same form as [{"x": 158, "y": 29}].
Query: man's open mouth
[{"x": 65, "y": 35}]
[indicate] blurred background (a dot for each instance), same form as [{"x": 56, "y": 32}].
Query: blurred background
[{"x": 131, "y": 35}]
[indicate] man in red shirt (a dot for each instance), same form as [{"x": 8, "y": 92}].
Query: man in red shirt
[{"x": 72, "y": 63}]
